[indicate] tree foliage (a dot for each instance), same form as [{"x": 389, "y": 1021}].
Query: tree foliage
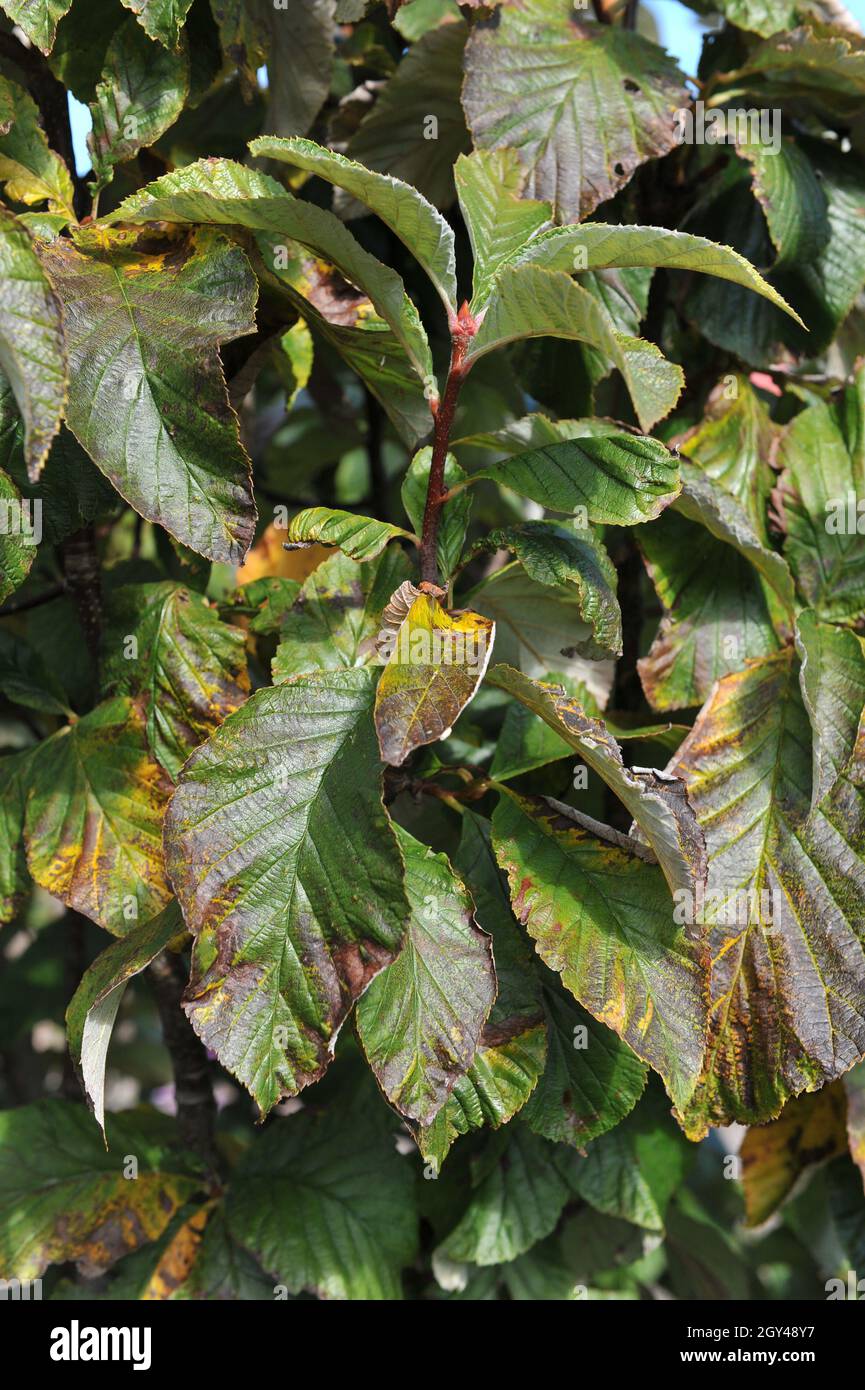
[{"x": 432, "y": 649}]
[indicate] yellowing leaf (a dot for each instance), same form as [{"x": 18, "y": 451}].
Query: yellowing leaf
[
  {"x": 72, "y": 1198},
  {"x": 809, "y": 1130},
  {"x": 32, "y": 172},
  {"x": 435, "y": 664},
  {"x": 269, "y": 558},
  {"x": 177, "y": 1259},
  {"x": 94, "y": 818}
]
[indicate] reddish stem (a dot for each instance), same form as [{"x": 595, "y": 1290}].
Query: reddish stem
[{"x": 444, "y": 419}]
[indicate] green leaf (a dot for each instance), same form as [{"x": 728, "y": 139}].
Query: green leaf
[
  {"x": 421, "y": 1018},
  {"x": 542, "y": 1275},
  {"x": 300, "y": 58},
  {"x": 337, "y": 615},
  {"x": 31, "y": 171},
  {"x": 189, "y": 666},
  {"x": 348, "y": 320},
  {"x": 702, "y": 500},
  {"x": 534, "y": 431},
  {"x": 70, "y": 491},
  {"x": 533, "y": 624},
  {"x": 266, "y": 816},
  {"x": 634, "y": 1170},
  {"x": 715, "y": 613},
  {"x": 398, "y": 136},
  {"x": 26, "y": 680},
  {"x": 79, "y": 48},
  {"x": 359, "y": 537},
  {"x": 143, "y": 90},
  {"x": 94, "y": 818},
  {"x": 787, "y": 187},
  {"x": 244, "y": 35},
  {"x": 31, "y": 341},
  {"x": 832, "y": 280},
  {"x": 832, "y": 681},
  {"x": 765, "y": 17},
  {"x": 326, "y": 1204},
  {"x": 595, "y": 246},
  {"x": 520, "y": 1186},
  {"x": 558, "y": 555},
  {"x": 584, "y": 104},
  {"x": 414, "y": 18},
  {"x": 531, "y": 302},
  {"x": 593, "y": 1243},
  {"x": 454, "y": 515},
  {"x": 408, "y": 214},
  {"x": 7, "y": 106},
  {"x": 499, "y": 220},
  {"x": 783, "y": 901},
  {"x": 14, "y": 875},
  {"x": 147, "y": 399},
  {"x": 38, "y": 19},
  {"x": 94, "y": 1005},
  {"x": 525, "y": 742},
  {"x": 435, "y": 663},
  {"x": 705, "y": 1260},
  {"x": 822, "y": 455},
  {"x": 816, "y": 62},
  {"x": 513, "y": 1045},
  {"x": 222, "y": 192},
  {"x": 67, "y": 1197},
  {"x": 602, "y": 918},
  {"x": 161, "y": 19},
  {"x": 844, "y": 1193},
  {"x": 620, "y": 479},
  {"x": 732, "y": 445},
  {"x": 17, "y": 538},
  {"x": 591, "y": 1080},
  {"x": 657, "y": 802}
]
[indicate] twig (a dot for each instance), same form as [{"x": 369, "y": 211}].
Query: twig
[
  {"x": 603, "y": 832},
  {"x": 196, "y": 1107},
  {"x": 627, "y": 687},
  {"x": 83, "y": 580},
  {"x": 462, "y": 332}
]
